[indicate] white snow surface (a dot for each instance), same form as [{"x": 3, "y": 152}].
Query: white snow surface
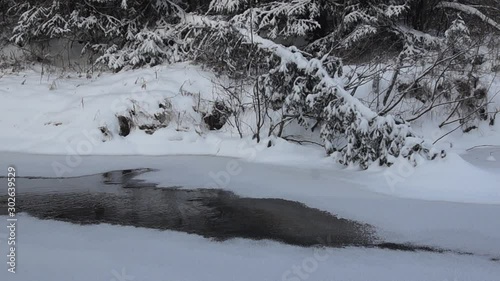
[
  {"x": 51, "y": 250},
  {"x": 470, "y": 227},
  {"x": 49, "y": 127},
  {"x": 60, "y": 114}
]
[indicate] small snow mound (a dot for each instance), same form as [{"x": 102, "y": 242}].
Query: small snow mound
[{"x": 491, "y": 158}]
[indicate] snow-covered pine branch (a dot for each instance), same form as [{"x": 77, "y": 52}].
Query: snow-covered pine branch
[
  {"x": 227, "y": 5},
  {"x": 358, "y": 21},
  {"x": 368, "y": 137},
  {"x": 122, "y": 33},
  {"x": 278, "y": 18},
  {"x": 37, "y": 22}
]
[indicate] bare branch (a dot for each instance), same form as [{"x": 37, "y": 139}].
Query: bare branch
[{"x": 469, "y": 10}]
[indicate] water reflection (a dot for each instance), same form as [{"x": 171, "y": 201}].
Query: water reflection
[{"x": 118, "y": 198}]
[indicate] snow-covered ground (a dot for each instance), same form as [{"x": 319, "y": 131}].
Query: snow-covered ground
[
  {"x": 60, "y": 251},
  {"x": 51, "y": 250},
  {"x": 55, "y": 113},
  {"x": 61, "y": 114},
  {"x": 49, "y": 127}
]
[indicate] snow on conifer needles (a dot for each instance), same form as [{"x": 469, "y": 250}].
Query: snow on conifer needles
[
  {"x": 368, "y": 137},
  {"x": 302, "y": 83}
]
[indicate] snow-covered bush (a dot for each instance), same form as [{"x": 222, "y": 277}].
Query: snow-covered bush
[
  {"x": 445, "y": 81},
  {"x": 306, "y": 88},
  {"x": 275, "y": 18},
  {"x": 430, "y": 57},
  {"x": 123, "y": 33},
  {"x": 297, "y": 90},
  {"x": 349, "y": 129}
]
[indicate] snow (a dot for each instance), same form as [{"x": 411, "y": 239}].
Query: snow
[
  {"x": 287, "y": 55},
  {"x": 469, "y": 10},
  {"x": 50, "y": 120},
  {"x": 50, "y": 250},
  {"x": 358, "y": 195},
  {"x": 65, "y": 120},
  {"x": 451, "y": 203},
  {"x": 50, "y": 123},
  {"x": 450, "y": 179}
]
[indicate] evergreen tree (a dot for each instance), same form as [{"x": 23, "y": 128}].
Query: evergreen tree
[
  {"x": 124, "y": 32},
  {"x": 304, "y": 81}
]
